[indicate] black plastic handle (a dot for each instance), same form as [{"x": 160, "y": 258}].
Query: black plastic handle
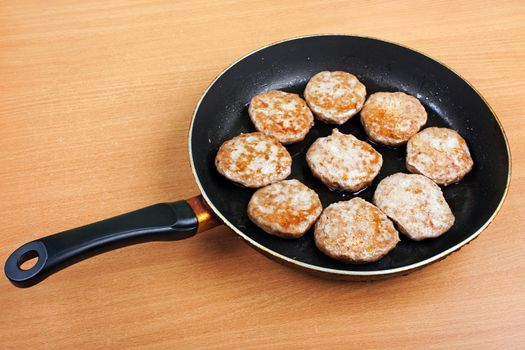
[{"x": 165, "y": 221}]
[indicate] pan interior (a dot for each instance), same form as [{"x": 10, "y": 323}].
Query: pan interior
[{"x": 381, "y": 66}]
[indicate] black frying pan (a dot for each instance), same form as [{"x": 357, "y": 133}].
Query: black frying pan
[{"x": 222, "y": 114}]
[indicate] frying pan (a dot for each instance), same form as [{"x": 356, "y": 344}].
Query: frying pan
[{"x": 221, "y": 114}]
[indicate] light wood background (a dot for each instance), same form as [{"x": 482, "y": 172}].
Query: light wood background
[{"x": 95, "y": 104}]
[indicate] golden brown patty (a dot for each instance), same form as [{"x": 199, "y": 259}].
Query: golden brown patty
[
  {"x": 440, "y": 154},
  {"x": 282, "y": 115},
  {"x": 286, "y": 209},
  {"x": 391, "y": 118},
  {"x": 253, "y": 160},
  {"x": 343, "y": 162},
  {"x": 355, "y": 231},
  {"x": 335, "y": 97},
  {"x": 416, "y": 204}
]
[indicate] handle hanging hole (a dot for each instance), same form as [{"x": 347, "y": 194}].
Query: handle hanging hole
[{"x": 28, "y": 260}]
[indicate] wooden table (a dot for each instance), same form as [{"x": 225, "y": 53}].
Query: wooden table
[{"x": 95, "y": 104}]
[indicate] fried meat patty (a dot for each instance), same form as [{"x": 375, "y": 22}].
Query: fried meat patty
[
  {"x": 440, "y": 154},
  {"x": 343, "y": 162},
  {"x": 286, "y": 209},
  {"x": 391, "y": 118},
  {"x": 282, "y": 115},
  {"x": 355, "y": 231},
  {"x": 335, "y": 97},
  {"x": 253, "y": 160},
  {"x": 416, "y": 204}
]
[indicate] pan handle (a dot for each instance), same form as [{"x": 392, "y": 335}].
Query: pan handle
[{"x": 164, "y": 221}]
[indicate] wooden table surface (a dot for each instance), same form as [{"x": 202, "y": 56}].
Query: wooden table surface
[{"x": 95, "y": 105}]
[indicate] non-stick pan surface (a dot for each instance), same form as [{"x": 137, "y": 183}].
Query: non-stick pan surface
[{"x": 449, "y": 100}]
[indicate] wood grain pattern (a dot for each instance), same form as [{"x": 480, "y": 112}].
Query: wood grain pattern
[{"x": 95, "y": 103}]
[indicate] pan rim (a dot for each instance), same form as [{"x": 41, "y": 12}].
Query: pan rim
[{"x": 331, "y": 271}]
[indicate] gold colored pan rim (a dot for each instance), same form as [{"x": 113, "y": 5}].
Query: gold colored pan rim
[{"x": 336, "y": 272}]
